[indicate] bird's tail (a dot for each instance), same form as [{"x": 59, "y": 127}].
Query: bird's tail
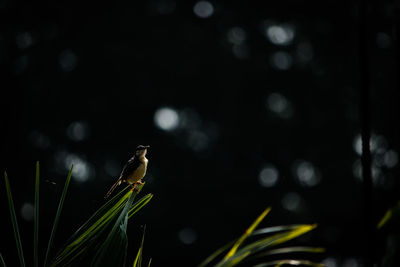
[{"x": 113, "y": 188}]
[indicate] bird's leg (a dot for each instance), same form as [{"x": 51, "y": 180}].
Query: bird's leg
[
  {"x": 133, "y": 186},
  {"x": 139, "y": 182}
]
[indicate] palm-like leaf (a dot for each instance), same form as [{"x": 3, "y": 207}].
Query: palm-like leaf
[
  {"x": 105, "y": 227},
  {"x": 14, "y": 221},
  {"x": 264, "y": 247},
  {"x": 101, "y": 241}
]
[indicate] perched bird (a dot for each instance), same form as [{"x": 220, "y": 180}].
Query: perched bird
[{"x": 133, "y": 171}]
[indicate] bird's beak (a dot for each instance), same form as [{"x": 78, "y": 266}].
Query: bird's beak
[{"x": 146, "y": 147}]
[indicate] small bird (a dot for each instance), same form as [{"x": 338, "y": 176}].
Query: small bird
[{"x": 134, "y": 170}]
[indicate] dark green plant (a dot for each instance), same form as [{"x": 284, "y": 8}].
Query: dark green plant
[
  {"x": 262, "y": 248},
  {"x": 101, "y": 241}
]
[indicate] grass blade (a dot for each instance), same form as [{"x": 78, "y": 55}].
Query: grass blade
[
  {"x": 3, "y": 263},
  {"x": 36, "y": 220},
  {"x": 279, "y": 263},
  {"x": 14, "y": 221},
  {"x": 114, "y": 249},
  {"x": 267, "y": 242},
  {"x": 291, "y": 250},
  {"x": 138, "y": 259},
  {"x": 88, "y": 239},
  {"x": 247, "y": 233},
  {"x": 388, "y": 215},
  {"x": 216, "y": 254},
  {"x": 273, "y": 229},
  {"x": 60, "y": 206},
  {"x": 84, "y": 238}
]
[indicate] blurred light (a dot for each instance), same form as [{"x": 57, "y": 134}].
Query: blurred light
[
  {"x": 198, "y": 141},
  {"x": 240, "y": 51},
  {"x": 268, "y": 176},
  {"x": 203, "y": 9},
  {"x": 375, "y": 172},
  {"x": 83, "y": 170},
  {"x": 166, "y": 119},
  {"x": 391, "y": 158},
  {"x": 24, "y": 40},
  {"x": 68, "y": 60},
  {"x": 357, "y": 144},
  {"x": 280, "y": 34},
  {"x": 376, "y": 142},
  {"x": 189, "y": 119},
  {"x": 304, "y": 52},
  {"x": 112, "y": 168},
  {"x": 236, "y": 35},
  {"x": 78, "y": 131},
  {"x": 383, "y": 40},
  {"x": 306, "y": 174},
  {"x": 330, "y": 262},
  {"x": 291, "y": 201},
  {"x": 357, "y": 169},
  {"x": 165, "y": 7},
  {"x": 39, "y": 140},
  {"x": 20, "y": 64},
  {"x": 281, "y": 60},
  {"x": 27, "y": 211},
  {"x": 278, "y": 104},
  {"x": 187, "y": 236},
  {"x": 350, "y": 263}
]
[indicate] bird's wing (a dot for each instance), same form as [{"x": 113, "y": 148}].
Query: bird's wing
[{"x": 129, "y": 167}]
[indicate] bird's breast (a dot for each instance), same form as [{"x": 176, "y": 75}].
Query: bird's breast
[{"x": 138, "y": 174}]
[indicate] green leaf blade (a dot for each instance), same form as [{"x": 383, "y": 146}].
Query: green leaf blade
[
  {"x": 36, "y": 220},
  {"x": 3, "y": 263},
  {"x": 56, "y": 220},
  {"x": 114, "y": 249},
  {"x": 14, "y": 221}
]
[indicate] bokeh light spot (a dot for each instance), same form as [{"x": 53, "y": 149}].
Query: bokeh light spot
[
  {"x": 166, "y": 119},
  {"x": 279, "y": 104},
  {"x": 78, "y": 131},
  {"x": 281, "y": 60},
  {"x": 351, "y": 262},
  {"x": 280, "y": 34},
  {"x": 198, "y": 140},
  {"x": 330, "y": 262},
  {"x": 304, "y": 52},
  {"x": 83, "y": 170},
  {"x": 27, "y": 211},
  {"x": 241, "y": 51},
  {"x": 305, "y": 173},
  {"x": 20, "y": 64},
  {"x": 187, "y": 236},
  {"x": 24, "y": 40},
  {"x": 236, "y": 35},
  {"x": 376, "y": 143},
  {"x": 268, "y": 176},
  {"x": 165, "y": 7},
  {"x": 203, "y": 9},
  {"x": 39, "y": 140},
  {"x": 383, "y": 40},
  {"x": 68, "y": 60},
  {"x": 112, "y": 167},
  {"x": 291, "y": 201},
  {"x": 391, "y": 158}
]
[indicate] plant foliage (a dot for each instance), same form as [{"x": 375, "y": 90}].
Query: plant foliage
[
  {"x": 240, "y": 251},
  {"x": 101, "y": 241}
]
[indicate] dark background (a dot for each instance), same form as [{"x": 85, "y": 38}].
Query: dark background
[{"x": 229, "y": 94}]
